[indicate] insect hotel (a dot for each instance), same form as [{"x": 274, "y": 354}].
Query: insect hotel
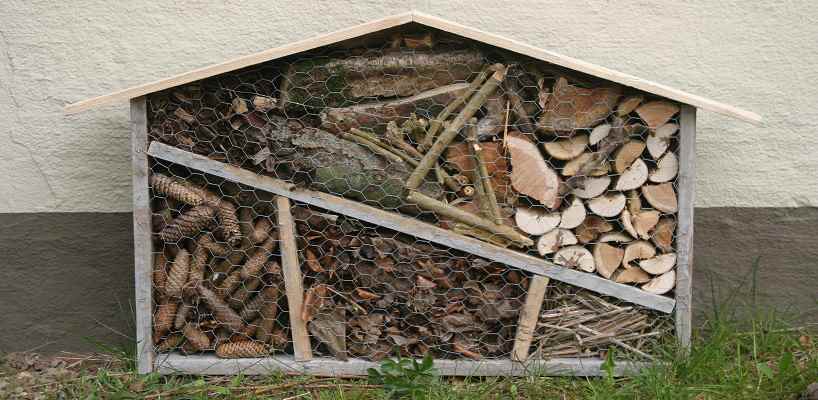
[{"x": 410, "y": 186}]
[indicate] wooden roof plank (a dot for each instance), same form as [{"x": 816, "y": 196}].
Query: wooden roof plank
[{"x": 433, "y": 22}]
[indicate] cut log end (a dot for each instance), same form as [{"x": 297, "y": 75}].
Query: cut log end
[
  {"x": 575, "y": 257},
  {"x": 607, "y": 205},
  {"x": 554, "y": 240},
  {"x": 536, "y": 221},
  {"x": 661, "y": 284}
]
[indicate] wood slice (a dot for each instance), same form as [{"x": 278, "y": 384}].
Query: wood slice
[
  {"x": 616, "y": 237},
  {"x": 644, "y": 222},
  {"x": 627, "y": 222},
  {"x": 657, "y": 113},
  {"x": 662, "y": 235},
  {"x": 659, "y": 140},
  {"x": 662, "y": 197},
  {"x": 592, "y": 187},
  {"x": 566, "y": 149},
  {"x": 530, "y": 174},
  {"x": 571, "y": 107},
  {"x": 638, "y": 250},
  {"x": 607, "y": 205},
  {"x": 536, "y": 221},
  {"x": 634, "y": 202},
  {"x": 660, "y": 264},
  {"x": 554, "y": 239},
  {"x": 627, "y": 154},
  {"x": 575, "y": 257},
  {"x": 666, "y": 168},
  {"x": 600, "y": 132},
  {"x": 629, "y": 274},
  {"x": 591, "y": 228},
  {"x": 633, "y": 177},
  {"x": 662, "y": 283},
  {"x": 628, "y": 104},
  {"x": 572, "y": 167},
  {"x": 573, "y": 216},
  {"x": 607, "y": 259}
]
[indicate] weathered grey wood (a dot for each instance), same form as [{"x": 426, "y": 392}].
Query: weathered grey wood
[
  {"x": 293, "y": 281},
  {"x": 142, "y": 235},
  {"x": 686, "y": 185},
  {"x": 414, "y": 227},
  {"x": 212, "y": 365},
  {"x": 529, "y": 315}
]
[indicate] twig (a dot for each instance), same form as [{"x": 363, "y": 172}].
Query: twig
[
  {"x": 491, "y": 207},
  {"x": 468, "y": 111},
  {"x": 619, "y": 343},
  {"x": 373, "y": 147},
  {"x": 479, "y": 187}
]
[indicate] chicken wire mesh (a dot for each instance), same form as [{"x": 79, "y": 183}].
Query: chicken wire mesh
[{"x": 473, "y": 139}]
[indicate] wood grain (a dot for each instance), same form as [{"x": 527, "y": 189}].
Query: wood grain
[
  {"x": 293, "y": 281},
  {"x": 684, "y": 232},
  {"x": 529, "y": 316}
]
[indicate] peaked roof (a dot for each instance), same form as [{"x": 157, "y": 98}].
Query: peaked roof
[{"x": 433, "y": 22}]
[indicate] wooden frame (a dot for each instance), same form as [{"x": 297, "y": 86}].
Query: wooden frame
[{"x": 433, "y": 22}]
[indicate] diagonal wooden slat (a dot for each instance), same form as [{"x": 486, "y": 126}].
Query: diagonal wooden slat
[{"x": 413, "y": 227}]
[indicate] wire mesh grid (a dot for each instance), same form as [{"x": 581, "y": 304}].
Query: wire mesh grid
[{"x": 473, "y": 139}]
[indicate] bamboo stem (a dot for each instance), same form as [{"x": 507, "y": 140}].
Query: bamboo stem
[
  {"x": 436, "y": 123},
  {"x": 468, "y": 218},
  {"x": 479, "y": 187},
  {"x": 451, "y": 131}
]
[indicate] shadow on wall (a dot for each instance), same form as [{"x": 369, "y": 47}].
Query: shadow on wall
[{"x": 67, "y": 278}]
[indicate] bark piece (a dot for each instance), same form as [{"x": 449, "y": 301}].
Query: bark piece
[
  {"x": 662, "y": 283},
  {"x": 566, "y": 149},
  {"x": 530, "y": 174},
  {"x": 178, "y": 274},
  {"x": 242, "y": 349},
  {"x": 662, "y": 197},
  {"x": 263, "y": 103},
  {"x": 188, "y": 224},
  {"x": 616, "y": 237},
  {"x": 659, "y": 140},
  {"x": 575, "y": 257},
  {"x": 591, "y": 228},
  {"x": 628, "y": 104},
  {"x": 536, "y": 221},
  {"x": 554, "y": 239},
  {"x": 660, "y": 264},
  {"x": 330, "y": 329},
  {"x": 644, "y": 222},
  {"x": 607, "y": 259},
  {"x": 341, "y": 82},
  {"x": 607, "y": 205},
  {"x": 197, "y": 339},
  {"x": 496, "y": 163},
  {"x": 633, "y": 177},
  {"x": 375, "y": 116},
  {"x": 638, "y": 250},
  {"x": 574, "y": 166},
  {"x": 592, "y": 186},
  {"x": 573, "y": 216},
  {"x": 175, "y": 189},
  {"x": 485, "y": 194},
  {"x": 629, "y": 274},
  {"x": 598, "y": 133},
  {"x": 662, "y": 235},
  {"x": 570, "y": 107},
  {"x": 657, "y": 113},
  {"x": 627, "y": 154},
  {"x": 666, "y": 168}
]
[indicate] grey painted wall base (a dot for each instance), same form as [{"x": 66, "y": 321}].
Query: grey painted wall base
[{"x": 67, "y": 278}]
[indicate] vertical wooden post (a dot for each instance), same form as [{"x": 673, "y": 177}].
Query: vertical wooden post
[
  {"x": 529, "y": 315},
  {"x": 143, "y": 252},
  {"x": 684, "y": 228},
  {"x": 293, "y": 282}
]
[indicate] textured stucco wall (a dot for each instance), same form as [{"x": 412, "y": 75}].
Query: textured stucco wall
[{"x": 756, "y": 55}]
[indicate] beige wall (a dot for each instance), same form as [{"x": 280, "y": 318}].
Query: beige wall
[{"x": 756, "y": 55}]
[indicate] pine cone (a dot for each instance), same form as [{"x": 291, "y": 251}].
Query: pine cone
[
  {"x": 170, "y": 343},
  {"x": 182, "y": 315},
  {"x": 221, "y": 311},
  {"x": 215, "y": 248},
  {"x": 198, "y": 339},
  {"x": 188, "y": 224},
  {"x": 229, "y": 284},
  {"x": 254, "y": 307},
  {"x": 178, "y": 274},
  {"x": 197, "y": 267},
  {"x": 175, "y": 189},
  {"x": 243, "y": 292},
  {"x": 160, "y": 272},
  {"x": 254, "y": 264},
  {"x": 229, "y": 221},
  {"x": 269, "y": 312},
  {"x": 163, "y": 318},
  {"x": 245, "y": 349},
  {"x": 250, "y": 329},
  {"x": 261, "y": 230}
]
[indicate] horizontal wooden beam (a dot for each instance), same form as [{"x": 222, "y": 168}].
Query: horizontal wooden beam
[
  {"x": 413, "y": 227},
  {"x": 212, "y": 365}
]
